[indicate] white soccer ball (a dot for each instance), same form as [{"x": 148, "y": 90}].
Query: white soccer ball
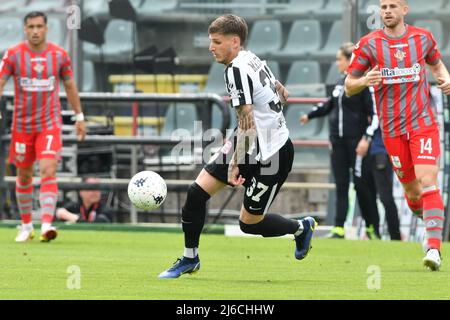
[{"x": 147, "y": 190}]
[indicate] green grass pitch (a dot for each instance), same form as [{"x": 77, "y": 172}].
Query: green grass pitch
[{"x": 125, "y": 265}]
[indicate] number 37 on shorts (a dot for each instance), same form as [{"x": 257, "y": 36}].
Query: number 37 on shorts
[{"x": 26, "y": 148}]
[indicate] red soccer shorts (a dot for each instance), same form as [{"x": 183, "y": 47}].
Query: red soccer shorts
[
  {"x": 27, "y": 147},
  {"x": 420, "y": 147}
]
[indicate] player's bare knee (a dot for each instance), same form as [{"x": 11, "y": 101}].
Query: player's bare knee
[
  {"x": 413, "y": 190},
  {"x": 414, "y": 194},
  {"x": 47, "y": 170},
  {"x": 25, "y": 174},
  {"x": 207, "y": 182},
  {"x": 428, "y": 180}
]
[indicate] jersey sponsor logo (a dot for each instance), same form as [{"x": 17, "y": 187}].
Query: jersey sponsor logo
[
  {"x": 396, "y": 162},
  {"x": 401, "y": 80},
  {"x": 37, "y": 85},
  {"x": 401, "y": 72},
  {"x": 401, "y": 75},
  {"x": 21, "y": 148}
]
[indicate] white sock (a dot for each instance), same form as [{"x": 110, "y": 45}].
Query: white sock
[
  {"x": 300, "y": 229},
  {"x": 190, "y": 252},
  {"x": 45, "y": 226}
]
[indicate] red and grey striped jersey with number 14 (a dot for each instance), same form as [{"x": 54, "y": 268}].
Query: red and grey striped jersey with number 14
[
  {"x": 403, "y": 97},
  {"x": 36, "y": 78}
]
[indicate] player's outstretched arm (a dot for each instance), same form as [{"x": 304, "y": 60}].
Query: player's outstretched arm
[
  {"x": 246, "y": 136},
  {"x": 354, "y": 85},
  {"x": 74, "y": 100},
  {"x": 442, "y": 76}
]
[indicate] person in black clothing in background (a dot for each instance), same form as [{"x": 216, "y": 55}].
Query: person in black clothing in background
[
  {"x": 350, "y": 135},
  {"x": 383, "y": 176},
  {"x": 88, "y": 209}
]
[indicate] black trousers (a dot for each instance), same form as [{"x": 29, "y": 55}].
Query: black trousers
[
  {"x": 344, "y": 159},
  {"x": 383, "y": 176}
]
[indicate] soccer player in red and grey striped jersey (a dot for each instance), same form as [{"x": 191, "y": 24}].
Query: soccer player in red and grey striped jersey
[
  {"x": 36, "y": 67},
  {"x": 397, "y": 56}
]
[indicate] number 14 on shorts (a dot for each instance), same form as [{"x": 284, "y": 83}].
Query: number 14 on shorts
[{"x": 426, "y": 145}]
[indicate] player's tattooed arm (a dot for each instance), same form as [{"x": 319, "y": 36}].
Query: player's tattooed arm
[
  {"x": 442, "y": 76},
  {"x": 246, "y": 136},
  {"x": 283, "y": 93}
]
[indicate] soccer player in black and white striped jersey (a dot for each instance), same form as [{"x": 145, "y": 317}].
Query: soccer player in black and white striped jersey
[{"x": 258, "y": 156}]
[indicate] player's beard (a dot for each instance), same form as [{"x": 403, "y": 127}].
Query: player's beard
[
  {"x": 393, "y": 23},
  {"x": 223, "y": 58},
  {"x": 36, "y": 41}
]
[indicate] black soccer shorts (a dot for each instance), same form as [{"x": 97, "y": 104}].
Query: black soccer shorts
[{"x": 263, "y": 180}]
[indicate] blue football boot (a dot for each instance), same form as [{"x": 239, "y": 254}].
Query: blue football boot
[
  {"x": 181, "y": 266},
  {"x": 303, "y": 241}
]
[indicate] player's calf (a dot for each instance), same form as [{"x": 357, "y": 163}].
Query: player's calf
[
  {"x": 24, "y": 197},
  {"x": 415, "y": 206},
  {"x": 193, "y": 218},
  {"x": 272, "y": 225}
]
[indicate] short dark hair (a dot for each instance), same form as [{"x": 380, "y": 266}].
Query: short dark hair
[
  {"x": 35, "y": 14},
  {"x": 230, "y": 24}
]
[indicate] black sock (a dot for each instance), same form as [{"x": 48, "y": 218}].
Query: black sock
[
  {"x": 272, "y": 225},
  {"x": 193, "y": 215}
]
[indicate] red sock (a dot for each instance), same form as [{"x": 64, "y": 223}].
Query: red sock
[
  {"x": 48, "y": 199},
  {"x": 24, "y": 197},
  {"x": 433, "y": 213}
]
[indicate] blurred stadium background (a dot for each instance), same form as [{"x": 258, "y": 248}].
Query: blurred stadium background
[{"x": 132, "y": 57}]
